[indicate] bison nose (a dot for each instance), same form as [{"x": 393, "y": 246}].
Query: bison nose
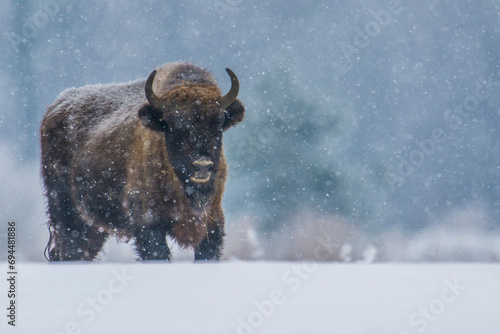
[{"x": 202, "y": 170}]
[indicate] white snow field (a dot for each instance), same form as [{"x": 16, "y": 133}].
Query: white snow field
[{"x": 254, "y": 297}]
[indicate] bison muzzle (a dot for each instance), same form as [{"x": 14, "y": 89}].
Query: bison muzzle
[{"x": 139, "y": 160}]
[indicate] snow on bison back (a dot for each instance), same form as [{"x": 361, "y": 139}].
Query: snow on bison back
[{"x": 138, "y": 160}]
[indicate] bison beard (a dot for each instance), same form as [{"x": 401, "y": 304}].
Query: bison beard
[
  {"x": 199, "y": 197},
  {"x": 140, "y": 160}
]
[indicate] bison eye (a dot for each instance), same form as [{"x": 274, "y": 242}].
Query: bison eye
[{"x": 218, "y": 121}]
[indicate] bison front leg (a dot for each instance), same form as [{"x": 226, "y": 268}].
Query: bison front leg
[
  {"x": 151, "y": 244},
  {"x": 210, "y": 247}
]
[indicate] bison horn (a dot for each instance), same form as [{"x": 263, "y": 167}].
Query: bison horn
[
  {"x": 230, "y": 97},
  {"x": 154, "y": 101}
]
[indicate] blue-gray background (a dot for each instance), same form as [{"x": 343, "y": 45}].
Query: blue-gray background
[{"x": 370, "y": 124}]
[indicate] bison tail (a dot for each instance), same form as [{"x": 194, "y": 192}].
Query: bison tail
[{"x": 46, "y": 252}]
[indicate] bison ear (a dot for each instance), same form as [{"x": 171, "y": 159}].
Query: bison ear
[
  {"x": 234, "y": 114},
  {"x": 152, "y": 119}
]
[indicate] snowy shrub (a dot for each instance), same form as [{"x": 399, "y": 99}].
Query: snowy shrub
[
  {"x": 242, "y": 240},
  {"x": 460, "y": 236},
  {"x": 320, "y": 237}
]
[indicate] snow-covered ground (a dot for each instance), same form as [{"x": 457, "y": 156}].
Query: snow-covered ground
[{"x": 254, "y": 297}]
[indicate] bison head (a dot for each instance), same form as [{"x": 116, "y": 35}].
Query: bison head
[{"x": 193, "y": 117}]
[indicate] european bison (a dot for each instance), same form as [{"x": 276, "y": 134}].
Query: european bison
[{"x": 138, "y": 160}]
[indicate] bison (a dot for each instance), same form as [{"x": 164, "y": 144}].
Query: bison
[{"x": 138, "y": 160}]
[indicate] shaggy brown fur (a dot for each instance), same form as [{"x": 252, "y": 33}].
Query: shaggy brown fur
[{"x": 113, "y": 164}]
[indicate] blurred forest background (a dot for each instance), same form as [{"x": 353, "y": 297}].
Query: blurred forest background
[{"x": 372, "y": 127}]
